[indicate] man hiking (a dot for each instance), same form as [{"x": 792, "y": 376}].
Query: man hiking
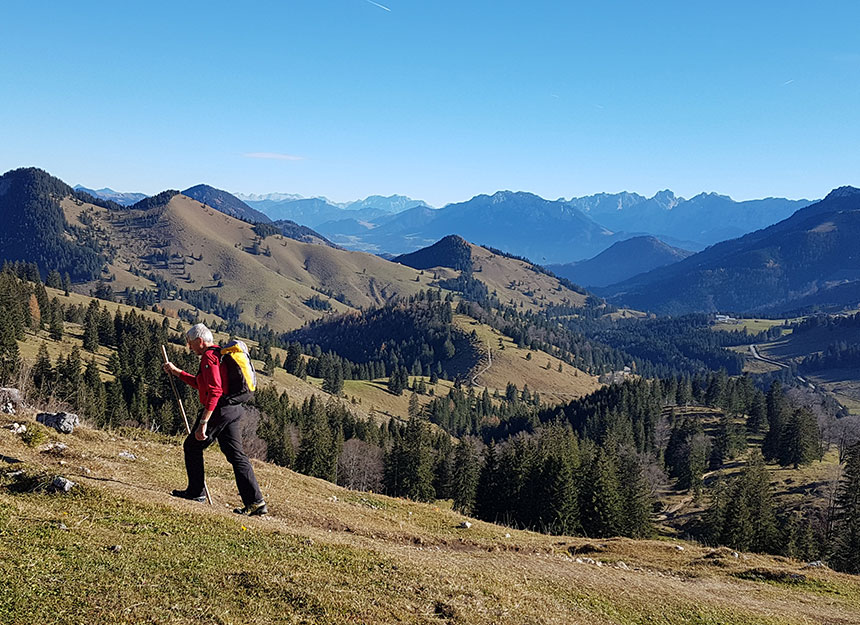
[{"x": 218, "y": 420}]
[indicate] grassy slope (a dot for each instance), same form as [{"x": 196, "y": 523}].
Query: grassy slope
[
  {"x": 511, "y": 364},
  {"x": 117, "y": 549},
  {"x": 503, "y": 275},
  {"x": 272, "y": 289}
]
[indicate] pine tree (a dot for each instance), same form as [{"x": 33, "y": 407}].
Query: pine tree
[
  {"x": 43, "y": 372},
  {"x": 91, "y": 327},
  {"x": 9, "y": 354},
  {"x": 333, "y": 380},
  {"x": 800, "y": 440},
  {"x": 315, "y": 449},
  {"x": 56, "y": 327},
  {"x": 846, "y": 548},
  {"x": 95, "y": 398},
  {"x": 600, "y": 499},
  {"x": 777, "y": 410},
  {"x": 635, "y": 495},
  {"x": 757, "y": 413},
  {"x": 465, "y": 476}
]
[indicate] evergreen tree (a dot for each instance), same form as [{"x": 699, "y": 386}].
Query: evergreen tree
[
  {"x": 333, "y": 380},
  {"x": 635, "y": 495},
  {"x": 95, "y": 398},
  {"x": 56, "y": 327},
  {"x": 91, "y": 327},
  {"x": 777, "y": 409},
  {"x": 757, "y": 413},
  {"x": 409, "y": 465},
  {"x": 601, "y": 506},
  {"x": 43, "y": 372},
  {"x": 742, "y": 513},
  {"x": 800, "y": 440},
  {"x": 314, "y": 456},
  {"x": 846, "y": 550},
  {"x": 9, "y": 354},
  {"x": 467, "y": 470}
]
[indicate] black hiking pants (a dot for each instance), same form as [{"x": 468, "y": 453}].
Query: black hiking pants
[{"x": 223, "y": 427}]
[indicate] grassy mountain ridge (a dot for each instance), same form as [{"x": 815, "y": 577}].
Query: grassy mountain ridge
[{"x": 225, "y": 202}]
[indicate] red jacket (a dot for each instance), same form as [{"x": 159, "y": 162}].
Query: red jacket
[{"x": 209, "y": 382}]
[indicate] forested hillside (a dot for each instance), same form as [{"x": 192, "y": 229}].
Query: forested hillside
[{"x": 599, "y": 465}]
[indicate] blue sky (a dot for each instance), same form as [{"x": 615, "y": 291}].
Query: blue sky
[{"x": 436, "y": 100}]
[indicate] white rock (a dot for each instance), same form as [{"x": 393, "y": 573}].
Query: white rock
[
  {"x": 55, "y": 448},
  {"x": 679, "y": 548},
  {"x": 815, "y": 564},
  {"x": 465, "y": 525},
  {"x": 507, "y": 535},
  {"x": 127, "y": 455},
  {"x": 63, "y": 422},
  {"x": 17, "y": 428},
  {"x": 622, "y": 565},
  {"x": 62, "y": 484}
]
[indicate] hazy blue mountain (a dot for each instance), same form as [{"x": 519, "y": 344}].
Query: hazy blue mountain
[
  {"x": 520, "y": 223},
  {"x": 124, "y": 199},
  {"x": 316, "y": 211},
  {"x": 809, "y": 258},
  {"x": 390, "y": 204},
  {"x": 705, "y": 219},
  {"x": 225, "y": 202},
  {"x": 306, "y": 211},
  {"x": 621, "y": 261}
]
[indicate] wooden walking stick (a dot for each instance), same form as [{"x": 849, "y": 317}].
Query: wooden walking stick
[{"x": 184, "y": 417}]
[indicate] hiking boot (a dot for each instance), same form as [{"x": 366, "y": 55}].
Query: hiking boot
[
  {"x": 258, "y": 508},
  {"x": 183, "y": 494}
]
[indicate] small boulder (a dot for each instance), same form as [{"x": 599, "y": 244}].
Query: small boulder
[
  {"x": 465, "y": 525},
  {"x": 62, "y": 485},
  {"x": 63, "y": 422},
  {"x": 127, "y": 455},
  {"x": 815, "y": 564},
  {"x": 55, "y": 448},
  {"x": 679, "y": 548},
  {"x": 17, "y": 428}
]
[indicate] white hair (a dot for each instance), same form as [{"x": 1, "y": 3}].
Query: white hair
[{"x": 199, "y": 331}]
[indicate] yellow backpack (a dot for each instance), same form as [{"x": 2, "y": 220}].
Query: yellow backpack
[{"x": 241, "y": 377}]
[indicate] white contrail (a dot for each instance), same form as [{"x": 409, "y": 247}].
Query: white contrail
[
  {"x": 381, "y": 6},
  {"x": 788, "y": 82}
]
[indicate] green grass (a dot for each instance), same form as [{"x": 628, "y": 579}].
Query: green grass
[{"x": 118, "y": 549}]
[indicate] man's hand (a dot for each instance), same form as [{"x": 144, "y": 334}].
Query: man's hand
[
  {"x": 170, "y": 368},
  {"x": 200, "y": 432}
]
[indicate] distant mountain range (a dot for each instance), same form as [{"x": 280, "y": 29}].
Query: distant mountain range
[
  {"x": 621, "y": 261},
  {"x": 808, "y": 260},
  {"x": 548, "y": 231},
  {"x": 318, "y": 210},
  {"x": 123, "y": 199}
]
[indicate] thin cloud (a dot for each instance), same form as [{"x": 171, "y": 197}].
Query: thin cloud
[
  {"x": 788, "y": 82},
  {"x": 274, "y": 156},
  {"x": 376, "y": 4}
]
